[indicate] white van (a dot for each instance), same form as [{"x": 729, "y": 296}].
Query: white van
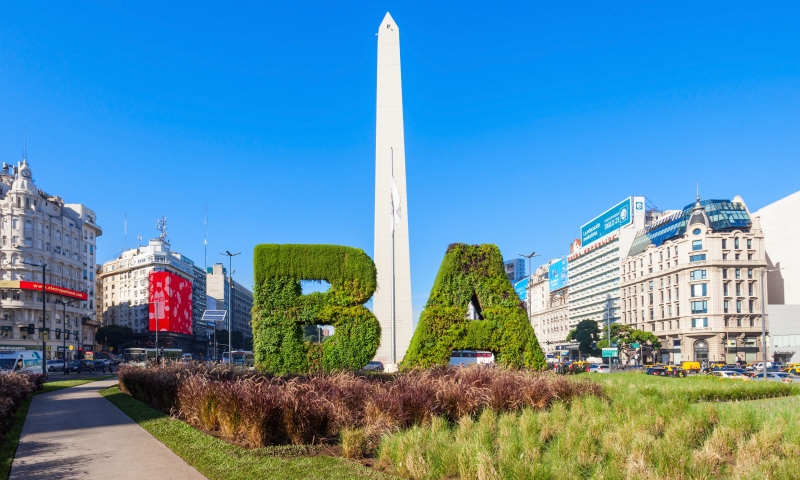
[{"x": 25, "y": 361}]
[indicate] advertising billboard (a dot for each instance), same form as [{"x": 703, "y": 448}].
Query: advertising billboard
[
  {"x": 613, "y": 219},
  {"x": 171, "y": 296},
  {"x": 521, "y": 288},
  {"x": 558, "y": 274},
  {"x": 37, "y": 287}
]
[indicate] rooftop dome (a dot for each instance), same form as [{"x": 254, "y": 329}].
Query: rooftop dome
[{"x": 24, "y": 180}]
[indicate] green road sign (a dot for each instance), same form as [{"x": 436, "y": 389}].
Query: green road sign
[
  {"x": 635, "y": 345},
  {"x": 609, "y": 352}
]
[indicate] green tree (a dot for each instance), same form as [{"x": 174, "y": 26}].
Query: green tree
[
  {"x": 585, "y": 333},
  {"x": 114, "y": 336}
]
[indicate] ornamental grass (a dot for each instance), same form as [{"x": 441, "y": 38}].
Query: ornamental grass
[
  {"x": 259, "y": 410},
  {"x": 14, "y": 388}
]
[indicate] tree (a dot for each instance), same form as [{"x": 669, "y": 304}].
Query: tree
[
  {"x": 113, "y": 336},
  {"x": 585, "y": 333}
]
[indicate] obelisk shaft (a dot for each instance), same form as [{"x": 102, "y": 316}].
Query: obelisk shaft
[{"x": 390, "y": 148}]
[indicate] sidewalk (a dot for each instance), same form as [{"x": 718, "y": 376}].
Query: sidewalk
[{"x": 76, "y": 433}]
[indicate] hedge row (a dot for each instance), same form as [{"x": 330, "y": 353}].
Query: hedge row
[{"x": 14, "y": 388}]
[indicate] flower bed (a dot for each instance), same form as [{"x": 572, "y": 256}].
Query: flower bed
[{"x": 259, "y": 410}]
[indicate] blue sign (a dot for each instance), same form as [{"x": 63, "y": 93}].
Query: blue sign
[
  {"x": 521, "y": 288},
  {"x": 613, "y": 219},
  {"x": 558, "y": 275}
]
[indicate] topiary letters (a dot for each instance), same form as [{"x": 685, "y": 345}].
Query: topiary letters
[
  {"x": 473, "y": 273},
  {"x": 280, "y": 310}
]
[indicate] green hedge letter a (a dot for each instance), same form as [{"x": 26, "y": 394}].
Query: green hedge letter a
[
  {"x": 473, "y": 275},
  {"x": 280, "y": 310}
]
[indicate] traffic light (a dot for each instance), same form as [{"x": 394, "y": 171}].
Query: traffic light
[
  {"x": 80, "y": 353},
  {"x": 31, "y": 329}
]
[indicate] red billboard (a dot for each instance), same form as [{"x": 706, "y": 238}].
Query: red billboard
[{"x": 171, "y": 298}]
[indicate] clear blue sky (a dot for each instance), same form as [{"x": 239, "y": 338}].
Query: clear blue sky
[{"x": 523, "y": 121}]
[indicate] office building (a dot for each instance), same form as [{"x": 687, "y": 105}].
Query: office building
[
  {"x": 515, "y": 269},
  {"x": 41, "y": 229},
  {"x": 129, "y": 284},
  {"x": 780, "y": 227},
  {"x": 692, "y": 278},
  {"x": 548, "y": 297},
  {"x": 241, "y": 304}
]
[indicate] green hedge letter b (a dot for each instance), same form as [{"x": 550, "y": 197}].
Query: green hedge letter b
[
  {"x": 280, "y": 310},
  {"x": 473, "y": 274}
]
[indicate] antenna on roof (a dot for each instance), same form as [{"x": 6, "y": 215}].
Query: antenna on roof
[
  {"x": 125, "y": 232},
  {"x": 161, "y": 226},
  {"x": 698, "y": 191},
  {"x": 25, "y": 145}
]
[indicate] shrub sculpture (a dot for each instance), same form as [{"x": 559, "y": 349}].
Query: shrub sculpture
[
  {"x": 473, "y": 273},
  {"x": 280, "y": 310}
]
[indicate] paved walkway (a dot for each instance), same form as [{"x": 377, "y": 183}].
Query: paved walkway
[{"x": 76, "y": 433}]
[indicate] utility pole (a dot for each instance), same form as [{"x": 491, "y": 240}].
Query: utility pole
[
  {"x": 764, "y": 321},
  {"x": 230, "y": 298}
]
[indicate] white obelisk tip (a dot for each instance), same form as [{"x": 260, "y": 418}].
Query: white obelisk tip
[{"x": 388, "y": 26}]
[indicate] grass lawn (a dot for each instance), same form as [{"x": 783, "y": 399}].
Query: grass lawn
[
  {"x": 649, "y": 427},
  {"x": 8, "y": 447},
  {"x": 217, "y": 459}
]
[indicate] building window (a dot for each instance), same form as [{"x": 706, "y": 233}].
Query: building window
[
  {"x": 724, "y": 273},
  {"x": 697, "y": 258},
  {"x": 738, "y": 322},
  {"x": 752, "y": 306},
  {"x": 651, "y": 284},
  {"x": 738, "y": 273},
  {"x": 749, "y": 243},
  {"x": 749, "y": 273},
  {"x": 736, "y": 257},
  {"x": 697, "y": 245},
  {"x": 700, "y": 307},
  {"x": 725, "y": 307},
  {"x": 724, "y": 256},
  {"x": 750, "y": 289},
  {"x": 651, "y": 299},
  {"x": 700, "y": 322},
  {"x": 698, "y": 275},
  {"x": 724, "y": 244},
  {"x": 651, "y": 314},
  {"x": 697, "y": 231},
  {"x": 699, "y": 290},
  {"x": 738, "y": 289},
  {"x": 738, "y": 306},
  {"x": 736, "y": 242},
  {"x": 749, "y": 256},
  {"x": 725, "y": 289}
]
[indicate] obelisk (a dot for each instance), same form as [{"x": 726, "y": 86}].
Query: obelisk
[{"x": 391, "y": 254}]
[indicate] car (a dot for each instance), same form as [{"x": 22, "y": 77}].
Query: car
[
  {"x": 80, "y": 366},
  {"x": 776, "y": 377},
  {"x": 100, "y": 365},
  {"x": 599, "y": 368},
  {"x": 657, "y": 371},
  {"x": 374, "y": 366},
  {"x": 53, "y": 365},
  {"x": 727, "y": 374}
]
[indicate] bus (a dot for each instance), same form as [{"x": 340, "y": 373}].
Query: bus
[
  {"x": 141, "y": 356},
  {"x": 243, "y": 358},
  {"x": 470, "y": 357}
]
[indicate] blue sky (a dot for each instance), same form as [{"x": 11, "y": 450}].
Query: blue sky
[{"x": 523, "y": 120}]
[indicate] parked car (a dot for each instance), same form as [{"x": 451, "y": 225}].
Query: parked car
[
  {"x": 53, "y": 365},
  {"x": 777, "y": 377},
  {"x": 100, "y": 365},
  {"x": 691, "y": 366},
  {"x": 599, "y": 368},
  {"x": 374, "y": 366},
  {"x": 657, "y": 371},
  {"x": 728, "y": 374}
]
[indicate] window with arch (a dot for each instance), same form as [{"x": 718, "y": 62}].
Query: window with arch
[{"x": 14, "y": 260}]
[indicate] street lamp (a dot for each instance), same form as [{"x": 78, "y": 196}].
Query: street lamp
[
  {"x": 64, "y": 320},
  {"x": 763, "y": 322},
  {"x": 230, "y": 298},
  {"x": 530, "y": 278},
  {"x": 44, "y": 316}
]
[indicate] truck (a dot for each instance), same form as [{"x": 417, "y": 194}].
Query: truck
[{"x": 21, "y": 361}]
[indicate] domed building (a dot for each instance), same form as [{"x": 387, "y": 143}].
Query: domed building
[{"x": 44, "y": 239}]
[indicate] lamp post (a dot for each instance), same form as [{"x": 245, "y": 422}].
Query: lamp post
[
  {"x": 530, "y": 278},
  {"x": 230, "y": 319},
  {"x": 64, "y": 319},
  {"x": 44, "y": 316},
  {"x": 764, "y": 323}
]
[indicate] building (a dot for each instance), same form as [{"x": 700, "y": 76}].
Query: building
[
  {"x": 199, "y": 303},
  {"x": 241, "y": 306},
  {"x": 515, "y": 269},
  {"x": 391, "y": 252},
  {"x": 129, "y": 284},
  {"x": 549, "y": 314},
  {"x": 780, "y": 227},
  {"x": 693, "y": 279},
  {"x": 39, "y": 229},
  {"x": 594, "y": 265}
]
